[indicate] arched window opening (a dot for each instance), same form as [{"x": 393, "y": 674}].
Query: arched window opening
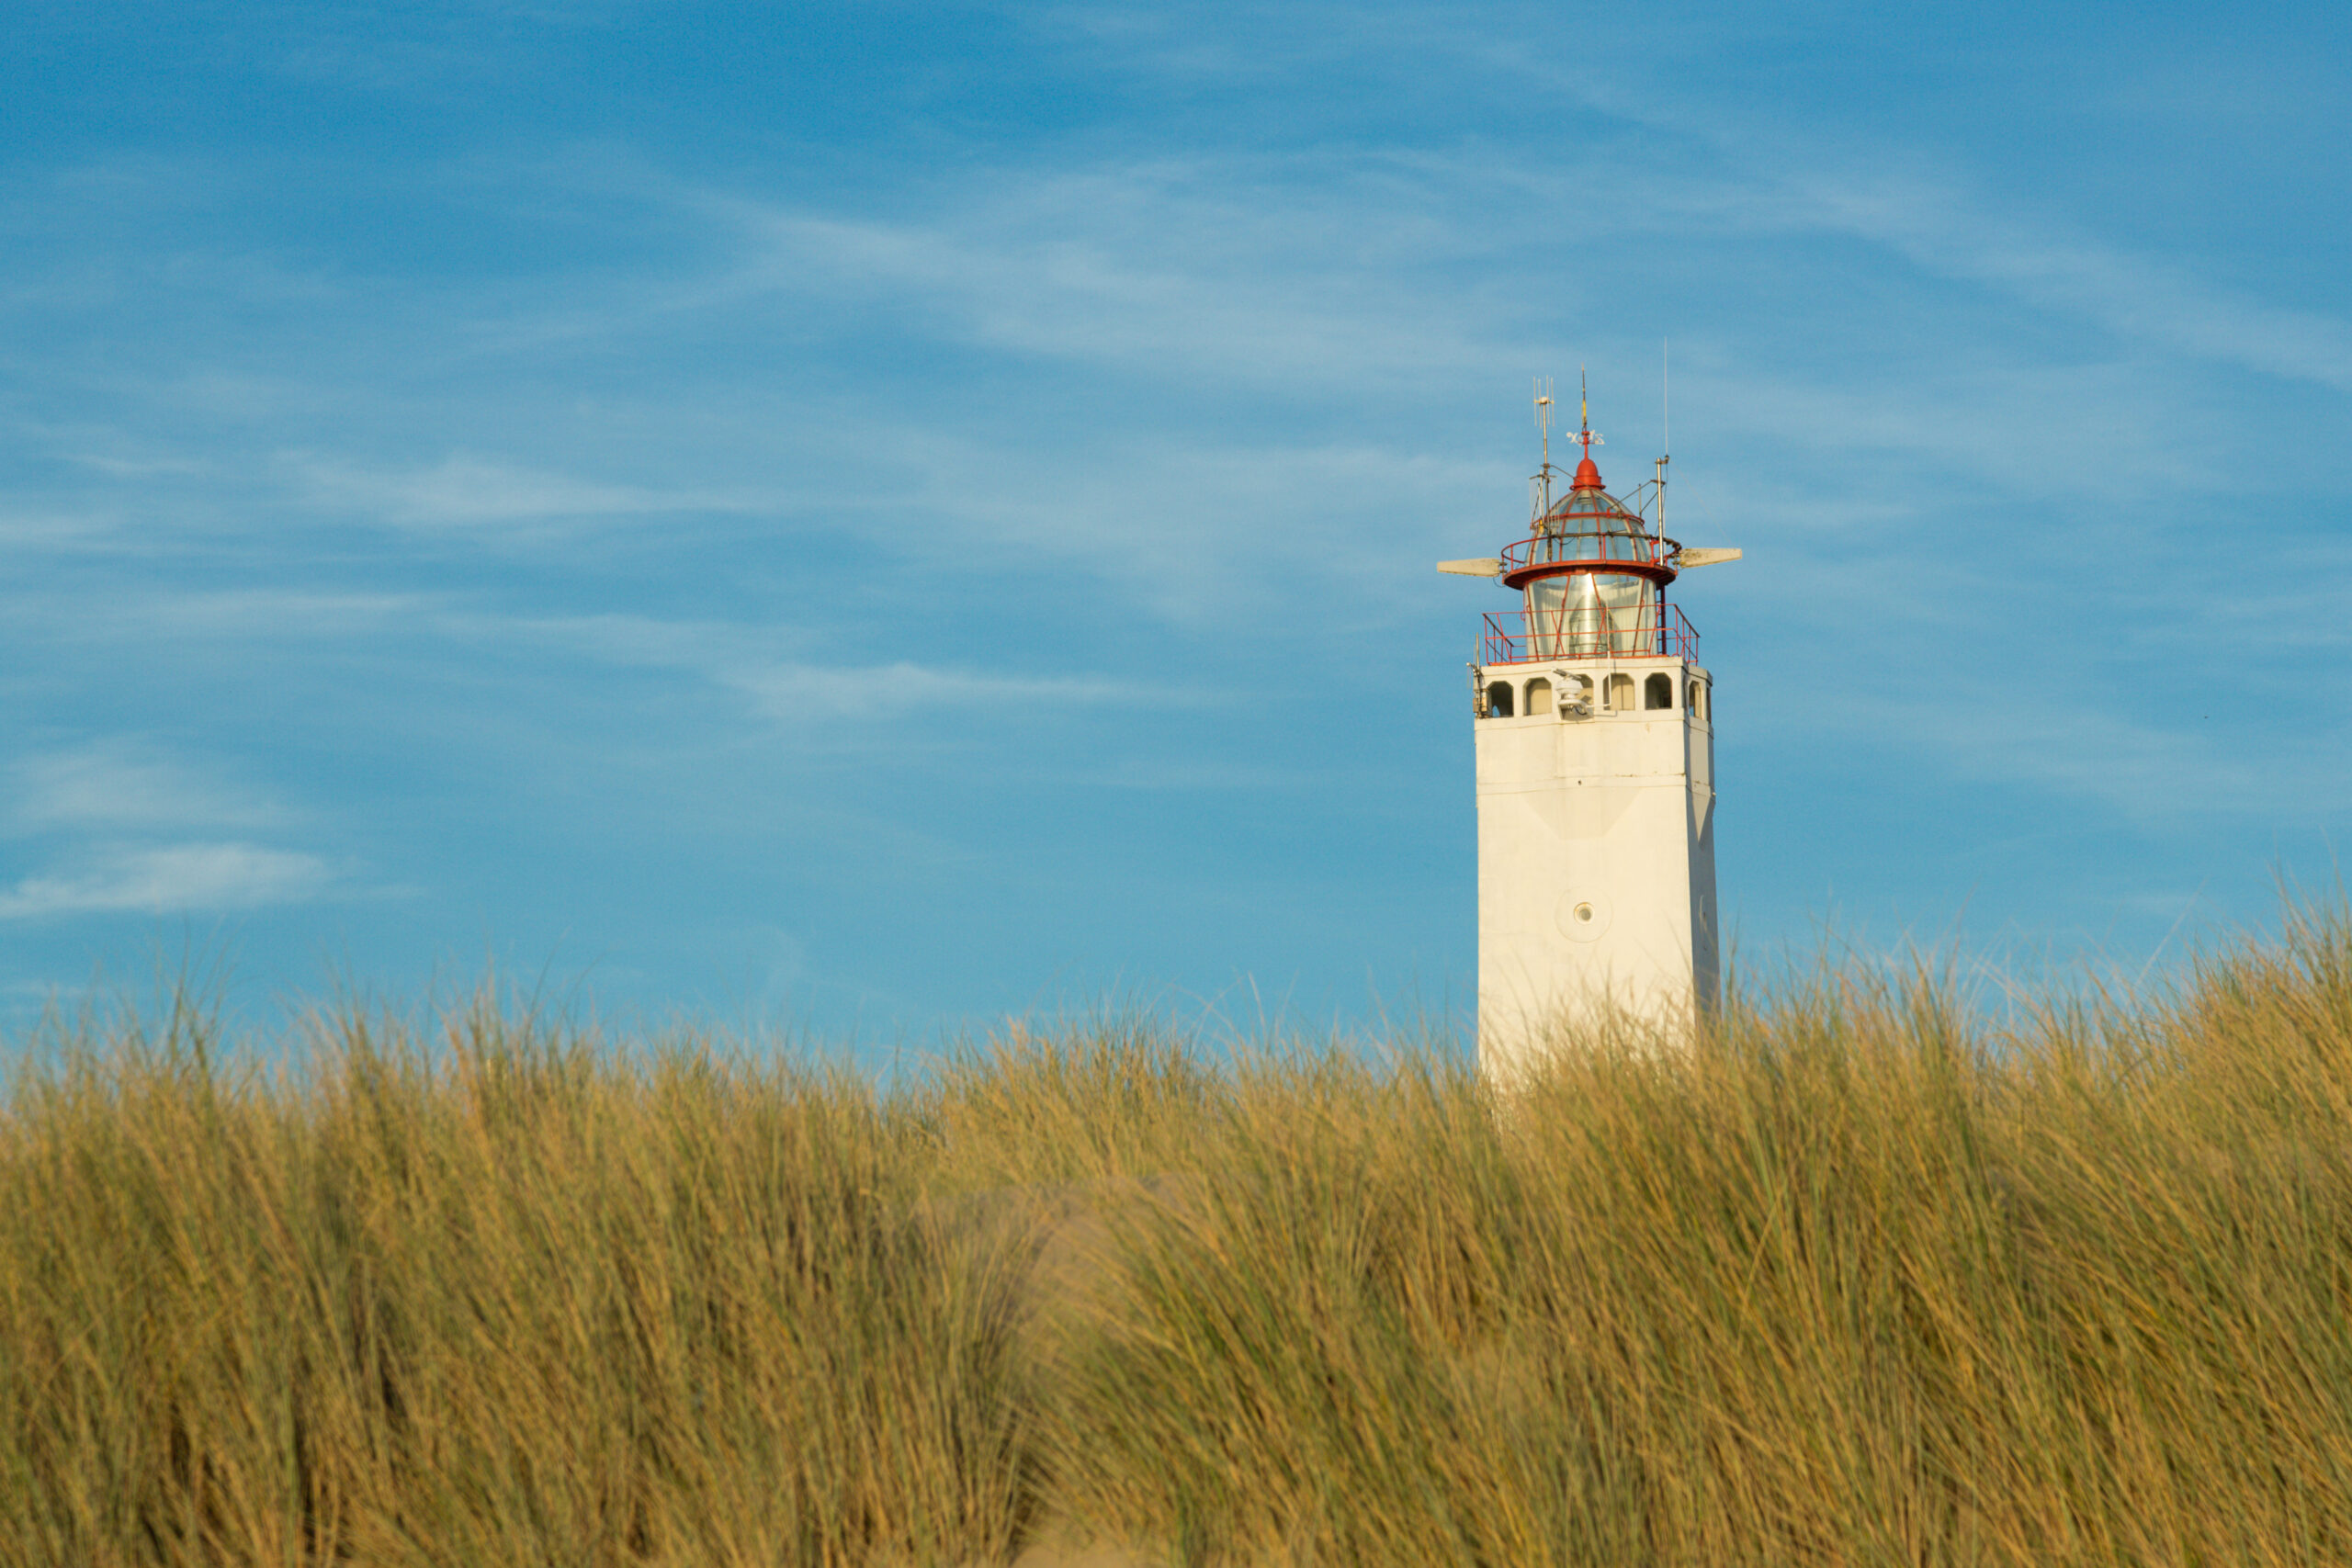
[
  {"x": 1499, "y": 700},
  {"x": 1621, "y": 693},
  {"x": 1657, "y": 692},
  {"x": 1539, "y": 697},
  {"x": 1698, "y": 700}
]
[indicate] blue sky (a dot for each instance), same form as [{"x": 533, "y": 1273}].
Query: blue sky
[{"x": 878, "y": 517}]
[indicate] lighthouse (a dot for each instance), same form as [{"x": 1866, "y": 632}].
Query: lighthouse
[{"x": 1594, "y": 728}]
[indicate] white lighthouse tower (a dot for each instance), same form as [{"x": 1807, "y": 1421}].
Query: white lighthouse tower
[{"x": 1595, "y": 736}]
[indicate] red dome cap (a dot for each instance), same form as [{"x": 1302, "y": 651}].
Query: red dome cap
[{"x": 1588, "y": 477}]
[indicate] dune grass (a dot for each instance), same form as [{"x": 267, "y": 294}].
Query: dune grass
[{"x": 1859, "y": 1278}]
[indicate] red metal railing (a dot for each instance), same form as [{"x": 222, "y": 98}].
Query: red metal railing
[
  {"x": 1544, "y": 549},
  {"x": 1526, "y": 636}
]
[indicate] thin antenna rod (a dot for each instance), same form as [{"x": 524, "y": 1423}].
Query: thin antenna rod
[
  {"x": 1540, "y": 487},
  {"x": 1665, "y": 436}
]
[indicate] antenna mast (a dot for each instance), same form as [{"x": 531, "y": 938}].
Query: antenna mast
[
  {"x": 1665, "y": 438},
  {"x": 1583, "y": 437},
  {"x": 1541, "y": 486}
]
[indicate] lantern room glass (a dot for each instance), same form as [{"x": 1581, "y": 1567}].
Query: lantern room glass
[
  {"x": 1589, "y": 525},
  {"x": 1588, "y": 614}
]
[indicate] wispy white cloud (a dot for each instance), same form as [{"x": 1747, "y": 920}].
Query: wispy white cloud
[
  {"x": 466, "y": 491},
  {"x": 120, "y": 468},
  {"x": 59, "y": 532},
  {"x": 122, "y": 785},
  {"x": 171, "y": 879},
  {"x": 1769, "y": 175},
  {"x": 751, "y": 661},
  {"x": 1252, "y": 269},
  {"x": 1943, "y": 227},
  {"x": 115, "y": 804},
  {"x": 219, "y": 619},
  {"x": 1704, "y": 167},
  {"x": 890, "y": 690},
  {"x": 652, "y": 642},
  {"x": 1985, "y": 726}
]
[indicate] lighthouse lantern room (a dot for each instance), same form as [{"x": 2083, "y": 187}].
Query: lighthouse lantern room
[{"x": 1595, "y": 739}]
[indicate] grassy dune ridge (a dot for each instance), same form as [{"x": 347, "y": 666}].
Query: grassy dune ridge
[{"x": 1861, "y": 1279}]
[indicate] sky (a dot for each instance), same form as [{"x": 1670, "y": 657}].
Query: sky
[{"x": 870, "y": 519}]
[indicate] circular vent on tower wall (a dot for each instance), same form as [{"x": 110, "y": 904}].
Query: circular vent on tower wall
[{"x": 1583, "y": 916}]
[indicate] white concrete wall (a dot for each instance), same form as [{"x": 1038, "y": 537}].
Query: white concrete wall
[{"x": 1596, "y": 860}]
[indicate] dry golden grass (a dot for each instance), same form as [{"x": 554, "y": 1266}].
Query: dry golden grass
[{"x": 1859, "y": 1280}]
